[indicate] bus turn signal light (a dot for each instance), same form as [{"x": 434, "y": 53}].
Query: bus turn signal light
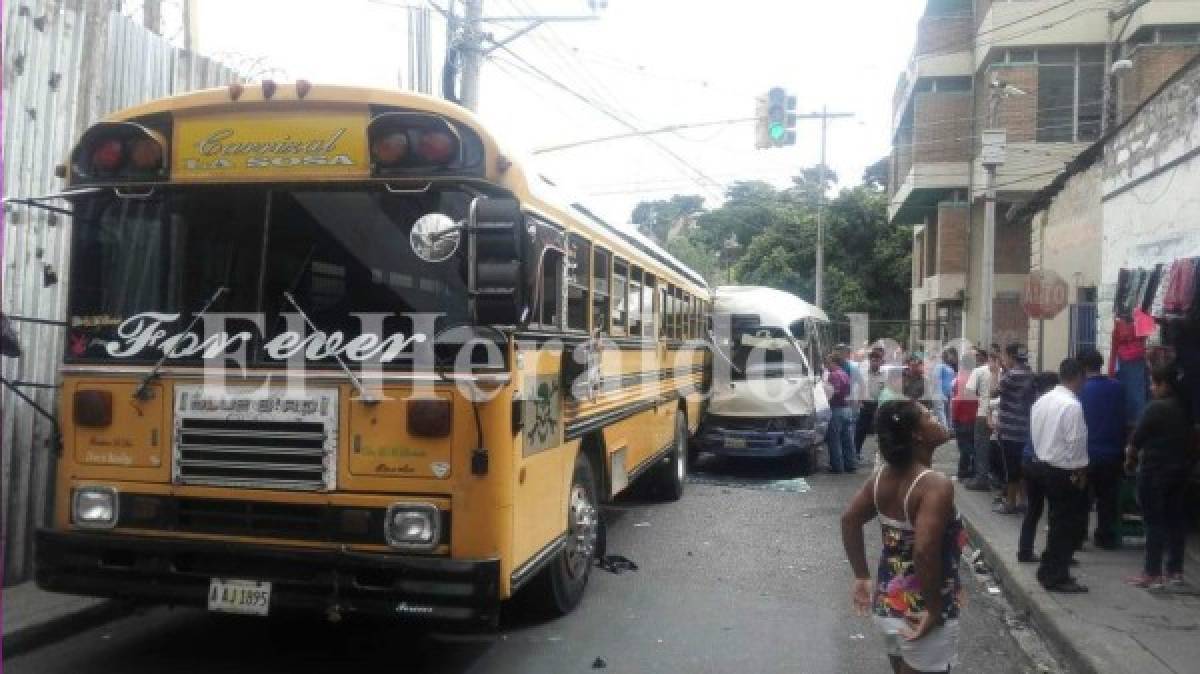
[
  {"x": 429, "y": 418},
  {"x": 93, "y": 408}
]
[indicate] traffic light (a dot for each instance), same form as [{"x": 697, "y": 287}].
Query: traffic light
[{"x": 776, "y": 114}]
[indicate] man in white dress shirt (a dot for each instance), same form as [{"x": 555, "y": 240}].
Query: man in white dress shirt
[{"x": 1059, "y": 434}]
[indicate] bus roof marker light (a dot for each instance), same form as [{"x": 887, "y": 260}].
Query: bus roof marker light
[
  {"x": 235, "y": 91},
  {"x": 302, "y": 88},
  {"x": 438, "y": 147},
  {"x": 108, "y": 155},
  {"x": 268, "y": 89},
  {"x": 146, "y": 154},
  {"x": 390, "y": 148}
]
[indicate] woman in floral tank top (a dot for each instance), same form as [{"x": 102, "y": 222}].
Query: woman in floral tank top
[{"x": 916, "y": 606}]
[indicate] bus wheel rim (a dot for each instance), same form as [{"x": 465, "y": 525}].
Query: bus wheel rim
[{"x": 581, "y": 539}]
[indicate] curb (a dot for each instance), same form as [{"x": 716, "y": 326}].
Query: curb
[
  {"x": 60, "y": 627},
  {"x": 1022, "y": 598}
]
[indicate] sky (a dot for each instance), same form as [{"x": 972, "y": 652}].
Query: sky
[{"x": 649, "y": 63}]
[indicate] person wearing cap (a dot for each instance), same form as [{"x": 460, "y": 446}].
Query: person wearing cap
[{"x": 1014, "y": 395}]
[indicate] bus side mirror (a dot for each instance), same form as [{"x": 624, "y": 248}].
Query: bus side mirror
[
  {"x": 10, "y": 347},
  {"x": 495, "y": 278}
]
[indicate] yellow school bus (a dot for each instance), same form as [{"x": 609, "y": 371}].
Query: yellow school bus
[{"x": 332, "y": 349}]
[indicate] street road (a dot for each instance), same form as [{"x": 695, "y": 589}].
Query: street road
[{"x": 742, "y": 575}]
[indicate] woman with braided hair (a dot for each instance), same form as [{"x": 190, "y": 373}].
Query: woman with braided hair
[{"x": 915, "y": 598}]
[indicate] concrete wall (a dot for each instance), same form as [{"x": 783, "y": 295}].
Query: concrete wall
[
  {"x": 1151, "y": 185},
  {"x": 1065, "y": 238},
  {"x": 1056, "y": 23}
]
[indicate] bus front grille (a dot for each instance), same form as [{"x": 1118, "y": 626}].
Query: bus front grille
[{"x": 258, "y": 454}]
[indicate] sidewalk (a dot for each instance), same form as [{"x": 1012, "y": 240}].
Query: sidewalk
[
  {"x": 1112, "y": 628},
  {"x": 33, "y": 617}
]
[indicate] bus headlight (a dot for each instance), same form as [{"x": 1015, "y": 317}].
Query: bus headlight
[
  {"x": 95, "y": 507},
  {"x": 412, "y": 526}
]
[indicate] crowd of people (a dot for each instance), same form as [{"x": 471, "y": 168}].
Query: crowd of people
[{"x": 1058, "y": 444}]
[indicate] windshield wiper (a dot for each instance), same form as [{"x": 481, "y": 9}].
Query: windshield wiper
[
  {"x": 141, "y": 392},
  {"x": 363, "y": 394}
]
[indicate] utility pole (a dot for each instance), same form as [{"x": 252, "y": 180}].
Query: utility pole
[
  {"x": 993, "y": 150},
  {"x": 824, "y": 116},
  {"x": 1126, "y": 13},
  {"x": 471, "y": 48},
  {"x": 466, "y": 37}
]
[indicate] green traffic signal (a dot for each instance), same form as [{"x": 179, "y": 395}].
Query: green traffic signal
[{"x": 777, "y": 131}]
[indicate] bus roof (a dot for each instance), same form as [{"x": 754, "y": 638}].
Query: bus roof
[
  {"x": 518, "y": 176},
  {"x": 774, "y": 307}
]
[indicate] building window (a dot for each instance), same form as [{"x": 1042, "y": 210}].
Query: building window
[{"x": 1070, "y": 93}]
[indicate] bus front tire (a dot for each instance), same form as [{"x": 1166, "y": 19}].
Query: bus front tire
[{"x": 563, "y": 581}]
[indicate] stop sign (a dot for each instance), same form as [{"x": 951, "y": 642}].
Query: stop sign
[{"x": 1044, "y": 296}]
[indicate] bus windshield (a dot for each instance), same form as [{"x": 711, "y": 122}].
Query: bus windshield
[{"x": 140, "y": 264}]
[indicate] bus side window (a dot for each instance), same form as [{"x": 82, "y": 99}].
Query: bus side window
[
  {"x": 678, "y": 312},
  {"x": 620, "y": 297},
  {"x": 600, "y": 290},
  {"x": 689, "y": 322},
  {"x": 669, "y": 312},
  {"x": 663, "y": 318},
  {"x": 635, "y": 302},
  {"x": 550, "y": 315},
  {"x": 649, "y": 310},
  {"x": 579, "y": 270}
]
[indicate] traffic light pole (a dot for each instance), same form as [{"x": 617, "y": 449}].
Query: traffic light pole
[{"x": 824, "y": 116}]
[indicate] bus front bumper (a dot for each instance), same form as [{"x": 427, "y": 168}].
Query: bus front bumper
[{"x": 328, "y": 582}]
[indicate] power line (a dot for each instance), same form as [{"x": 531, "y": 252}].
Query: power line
[{"x": 620, "y": 120}]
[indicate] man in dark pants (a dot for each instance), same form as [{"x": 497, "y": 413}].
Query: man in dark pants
[
  {"x": 1059, "y": 434},
  {"x": 875, "y": 381},
  {"x": 1103, "y": 403},
  {"x": 1035, "y": 497}
]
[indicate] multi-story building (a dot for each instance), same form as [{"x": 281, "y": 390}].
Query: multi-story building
[{"x": 1051, "y": 56}]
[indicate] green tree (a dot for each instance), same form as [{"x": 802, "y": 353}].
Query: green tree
[
  {"x": 765, "y": 236},
  {"x": 656, "y": 218}
]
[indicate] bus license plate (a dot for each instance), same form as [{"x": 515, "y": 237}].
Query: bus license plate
[
  {"x": 735, "y": 443},
  {"x": 247, "y": 597}
]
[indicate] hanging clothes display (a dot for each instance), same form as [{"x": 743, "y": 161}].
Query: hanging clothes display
[
  {"x": 1149, "y": 288},
  {"x": 1181, "y": 285},
  {"x": 1121, "y": 305},
  {"x": 1128, "y": 362}
]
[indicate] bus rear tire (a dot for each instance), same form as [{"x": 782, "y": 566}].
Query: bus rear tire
[
  {"x": 671, "y": 473},
  {"x": 561, "y": 584}
]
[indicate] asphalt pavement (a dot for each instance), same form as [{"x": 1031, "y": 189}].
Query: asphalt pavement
[{"x": 745, "y": 574}]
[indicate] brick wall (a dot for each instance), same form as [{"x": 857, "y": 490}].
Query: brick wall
[
  {"x": 952, "y": 239},
  {"x": 1153, "y": 65},
  {"x": 1012, "y": 246},
  {"x": 1018, "y": 114},
  {"x": 931, "y": 244},
  {"x": 944, "y": 34},
  {"x": 942, "y": 126},
  {"x": 1009, "y": 322}
]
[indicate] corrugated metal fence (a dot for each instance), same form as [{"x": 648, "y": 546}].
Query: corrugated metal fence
[{"x": 67, "y": 63}]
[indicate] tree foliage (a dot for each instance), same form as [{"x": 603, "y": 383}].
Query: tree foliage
[{"x": 766, "y": 236}]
